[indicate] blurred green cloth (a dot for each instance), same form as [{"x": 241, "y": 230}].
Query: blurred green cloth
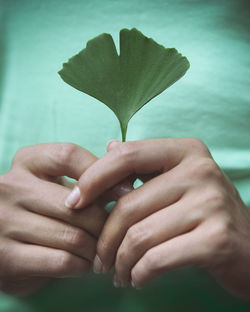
[{"x": 212, "y": 102}]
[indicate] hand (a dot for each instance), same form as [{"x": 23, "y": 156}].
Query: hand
[
  {"x": 188, "y": 213},
  {"x": 41, "y": 239}
]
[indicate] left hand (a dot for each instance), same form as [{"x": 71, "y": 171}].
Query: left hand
[{"x": 186, "y": 213}]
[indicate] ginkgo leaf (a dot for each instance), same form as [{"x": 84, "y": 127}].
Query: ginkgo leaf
[{"x": 125, "y": 82}]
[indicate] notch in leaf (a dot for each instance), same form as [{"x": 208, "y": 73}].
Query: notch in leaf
[{"x": 125, "y": 82}]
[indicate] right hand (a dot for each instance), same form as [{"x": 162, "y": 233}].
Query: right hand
[{"x": 41, "y": 239}]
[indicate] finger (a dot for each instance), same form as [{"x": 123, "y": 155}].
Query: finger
[
  {"x": 23, "y": 286},
  {"x": 123, "y": 187},
  {"x": 143, "y": 177},
  {"x": 161, "y": 226},
  {"x": 44, "y": 231},
  {"x": 136, "y": 206},
  {"x": 141, "y": 157},
  {"x": 183, "y": 250},
  {"x": 55, "y": 159},
  {"x": 48, "y": 199},
  {"x": 112, "y": 144},
  {"x": 27, "y": 260}
]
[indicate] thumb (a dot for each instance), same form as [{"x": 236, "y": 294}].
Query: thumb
[{"x": 112, "y": 194}]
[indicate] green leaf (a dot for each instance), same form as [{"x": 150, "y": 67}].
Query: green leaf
[{"x": 125, "y": 82}]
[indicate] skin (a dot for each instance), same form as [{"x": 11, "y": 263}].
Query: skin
[
  {"x": 40, "y": 239},
  {"x": 187, "y": 212}
]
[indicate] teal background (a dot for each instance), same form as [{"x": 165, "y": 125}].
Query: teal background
[{"x": 211, "y": 102}]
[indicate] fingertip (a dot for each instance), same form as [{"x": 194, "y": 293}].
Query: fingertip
[
  {"x": 135, "y": 286},
  {"x": 73, "y": 199},
  {"x": 111, "y": 144},
  {"x": 97, "y": 265}
]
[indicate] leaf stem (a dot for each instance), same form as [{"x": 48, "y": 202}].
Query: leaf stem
[{"x": 124, "y": 127}]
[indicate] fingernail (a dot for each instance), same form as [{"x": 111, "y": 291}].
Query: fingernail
[
  {"x": 116, "y": 282},
  {"x": 73, "y": 198},
  {"x": 97, "y": 265},
  {"x": 134, "y": 286}
]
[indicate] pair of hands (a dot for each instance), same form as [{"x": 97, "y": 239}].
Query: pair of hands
[{"x": 187, "y": 212}]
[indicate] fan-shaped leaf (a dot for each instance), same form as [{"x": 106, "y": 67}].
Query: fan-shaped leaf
[{"x": 125, "y": 82}]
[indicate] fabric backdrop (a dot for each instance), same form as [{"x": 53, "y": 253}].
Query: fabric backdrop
[{"x": 211, "y": 102}]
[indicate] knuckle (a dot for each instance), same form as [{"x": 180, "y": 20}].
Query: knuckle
[
  {"x": 121, "y": 256},
  {"x": 151, "y": 262},
  {"x": 62, "y": 153},
  {"x": 137, "y": 237},
  {"x": 74, "y": 238},
  {"x": 216, "y": 199},
  {"x": 219, "y": 241},
  {"x": 64, "y": 263},
  {"x": 20, "y": 154},
  {"x": 222, "y": 235},
  {"x": 149, "y": 265},
  {"x": 206, "y": 168},
  {"x": 124, "y": 206},
  {"x": 126, "y": 152},
  {"x": 196, "y": 145}
]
